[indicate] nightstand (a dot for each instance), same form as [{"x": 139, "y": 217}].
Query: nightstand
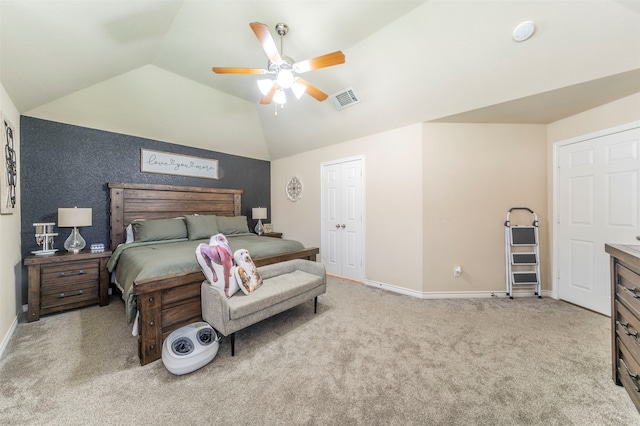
[
  {"x": 272, "y": 234},
  {"x": 63, "y": 280}
]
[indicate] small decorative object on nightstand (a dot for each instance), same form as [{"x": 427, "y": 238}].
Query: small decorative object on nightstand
[
  {"x": 65, "y": 280},
  {"x": 74, "y": 218},
  {"x": 44, "y": 238},
  {"x": 268, "y": 228},
  {"x": 259, "y": 213}
]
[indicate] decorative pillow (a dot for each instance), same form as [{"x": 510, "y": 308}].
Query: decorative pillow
[
  {"x": 232, "y": 225},
  {"x": 247, "y": 274},
  {"x": 159, "y": 229},
  {"x": 201, "y": 226},
  {"x": 216, "y": 262}
]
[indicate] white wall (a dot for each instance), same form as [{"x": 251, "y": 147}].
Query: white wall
[
  {"x": 622, "y": 111},
  {"x": 473, "y": 175},
  {"x": 393, "y": 201},
  {"x": 436, "y": 197},
  {"x": 10, "y": 257}
]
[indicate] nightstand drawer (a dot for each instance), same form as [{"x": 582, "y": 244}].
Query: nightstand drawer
[
  {"x": 69, "y": 273},
  {"x": 60, "y": 297}
]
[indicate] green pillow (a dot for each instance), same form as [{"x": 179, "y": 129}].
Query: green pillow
[
  {"x": 201, "y": 226},
  {"x": 159, "y": 229},
  {"x": 232, "y": 225}
]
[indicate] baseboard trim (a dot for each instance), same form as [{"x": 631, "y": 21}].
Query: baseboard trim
[
  {"x": 451, "y": 295},
  {"x": 7, "y": 337}
]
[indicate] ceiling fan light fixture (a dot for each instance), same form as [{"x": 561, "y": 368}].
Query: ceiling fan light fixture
[
  {"x": 279, "y": 97},
  {"x": 285, "y": 78},
  {"x": 265, "y": 86},
  {"x": 298, "y": 89}
]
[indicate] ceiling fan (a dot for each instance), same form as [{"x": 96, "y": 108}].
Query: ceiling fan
[{"x": 282, "y": 69}]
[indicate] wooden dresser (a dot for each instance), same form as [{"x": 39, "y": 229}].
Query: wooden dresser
[{"x": 625, "y": 318}]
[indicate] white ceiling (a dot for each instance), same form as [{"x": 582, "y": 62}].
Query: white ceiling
[{"x": 408, "y": 62}]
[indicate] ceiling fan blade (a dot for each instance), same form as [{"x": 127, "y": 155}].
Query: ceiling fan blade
[
  {"x": 223, "y": 70},
  {"x": 313, "y": 91},
  {"x": 268, "y": 45},
  {"x": 328, "y": 60},
  {"x": 266, "y": 99}
]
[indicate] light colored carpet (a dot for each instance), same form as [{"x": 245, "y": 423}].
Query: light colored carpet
[{"x": 367, "y": 357}]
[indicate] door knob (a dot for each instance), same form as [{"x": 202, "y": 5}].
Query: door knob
[
  {"x": 638, "y": 237},
  {"x": 337, "y": 226},
  {"x": 343, "y": 226}
]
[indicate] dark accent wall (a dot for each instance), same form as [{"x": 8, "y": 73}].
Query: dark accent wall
[{"x": 65, "y": 166}]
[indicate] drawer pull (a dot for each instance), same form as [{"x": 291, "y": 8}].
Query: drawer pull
[
  {"x": 77, "y": 293},
  {"x": 631, "y": 333},
  {"x": 623, "y": 324},
  {"x": 633, "y": 376},
  {"x": 71, "y": 274}
]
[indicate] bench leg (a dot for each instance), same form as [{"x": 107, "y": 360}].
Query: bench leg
[
  {"x": 232, "y": 336},
  {"x": 315, "y": 304}
]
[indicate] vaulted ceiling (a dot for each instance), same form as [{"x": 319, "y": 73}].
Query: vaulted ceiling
[{"x": 144, "y": 67}]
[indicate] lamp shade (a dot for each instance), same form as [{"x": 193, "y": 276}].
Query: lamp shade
[
  {"x": 285, "y": 78},
  {"x": 279, "y": 97},
  {"x": 74, "y": 217},
  {"x": 298, "y": 89},
  {"x": 259, "y": 212},
  {"x": 265, "y": 85}
]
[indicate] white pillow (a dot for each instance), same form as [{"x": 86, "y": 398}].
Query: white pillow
[
  {"x": 247, "y": 274},
  {"x": 129, "y": 231},
  {"x": 216, "y": 261}
]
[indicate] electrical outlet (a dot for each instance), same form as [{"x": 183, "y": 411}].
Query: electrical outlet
[{"x": 457, "y": 271}]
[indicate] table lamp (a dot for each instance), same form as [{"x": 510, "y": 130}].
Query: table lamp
[
  {"x": 259, "y": 213},
  {"x": 74, "y": 218}
]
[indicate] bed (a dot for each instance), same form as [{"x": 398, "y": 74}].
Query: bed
[{"x": 168, "y": 302}]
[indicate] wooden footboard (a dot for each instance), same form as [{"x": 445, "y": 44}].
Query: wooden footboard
[{"x": 170, "y": 302}]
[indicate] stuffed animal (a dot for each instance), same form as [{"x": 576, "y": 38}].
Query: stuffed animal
[
  {"x": 247, "y": 274},
  {"x": 216, "y": 262}
]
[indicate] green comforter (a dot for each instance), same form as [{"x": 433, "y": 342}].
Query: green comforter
[{"x": 136, "y": 261}]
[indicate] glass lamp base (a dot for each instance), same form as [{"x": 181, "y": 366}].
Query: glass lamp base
[
  {"x": 75, "y": 242},
  {"x": 259, "y": 228}
]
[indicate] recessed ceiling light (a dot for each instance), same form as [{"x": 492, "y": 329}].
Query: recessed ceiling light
[{"x": 523, "y": 31}]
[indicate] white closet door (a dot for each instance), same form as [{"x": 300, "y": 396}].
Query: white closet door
[
  {"x": 598, "y": 196},
  {"x": 331, "y": 250},
  {"x": 342, "y": 219}
]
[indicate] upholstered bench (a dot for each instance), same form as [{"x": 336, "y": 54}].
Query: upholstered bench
[{"x": 285, "y": 285}]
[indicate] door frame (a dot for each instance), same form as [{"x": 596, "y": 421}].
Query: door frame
[
  {"x": 363, "y": 199},
  {"x": 555, "y": 285}
]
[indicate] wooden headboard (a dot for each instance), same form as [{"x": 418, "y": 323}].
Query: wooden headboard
[{"x": 131, "y": 201}]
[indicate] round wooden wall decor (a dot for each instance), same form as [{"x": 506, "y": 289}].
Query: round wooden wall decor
[{"x": 293, "y": 189}]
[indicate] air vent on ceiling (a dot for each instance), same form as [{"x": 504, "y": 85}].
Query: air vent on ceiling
[{"x": 343, "y": 99}]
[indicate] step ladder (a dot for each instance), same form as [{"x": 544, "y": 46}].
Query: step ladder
[{"x": 522, "y": 254}]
